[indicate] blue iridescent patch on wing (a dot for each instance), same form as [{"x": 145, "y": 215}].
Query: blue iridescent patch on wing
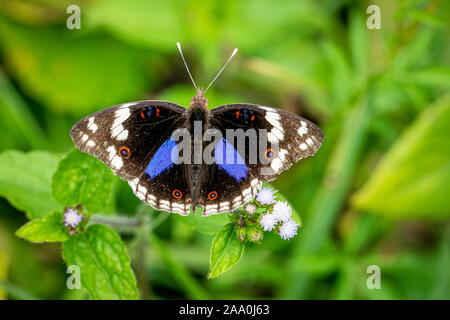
[
  {"x": 228, "y": 158},
  {"x": 162, "y": 160}
]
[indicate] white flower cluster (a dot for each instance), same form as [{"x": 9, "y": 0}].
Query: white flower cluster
[
  {"x": 72, "y": 218},
  {"x": 280, "y": 216}
]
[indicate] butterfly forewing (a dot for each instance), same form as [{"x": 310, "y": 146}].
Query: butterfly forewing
[
  {"x": 126, "y": 137},
  {"x": 223, "y": 192},
  {"x": 294, "y": 136}
]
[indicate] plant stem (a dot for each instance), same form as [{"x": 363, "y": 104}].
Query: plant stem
[{"x": 122, "y": 224}]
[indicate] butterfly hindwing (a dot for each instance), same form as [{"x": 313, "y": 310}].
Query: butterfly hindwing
[
  {"x": 228, "y": 185},
  {"x": 125, "y": 137},
  {"x": 167, "y": 191}
]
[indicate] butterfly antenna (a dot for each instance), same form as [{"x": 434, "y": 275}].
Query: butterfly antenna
[
  {"x": 218, "y": 74},
  {"x": 187, "y": 68}
]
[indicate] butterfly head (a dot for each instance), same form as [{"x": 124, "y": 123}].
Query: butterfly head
[{"x": 199, "y": 101}]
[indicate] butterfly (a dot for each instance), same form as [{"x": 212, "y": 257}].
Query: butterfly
[{"x": 136, "y": 140}]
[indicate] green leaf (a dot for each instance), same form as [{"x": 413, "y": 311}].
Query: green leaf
[
  {"x": 17, "y": 122},
  {"x": 49, "y": 228},
  {"x": 25, "y": 181},
  {"x": 74, "y": 72},
  {"x": 358, "y": 43},
  {"x": 104, "y": 263},
  {"x": 179, "y": 271},
  {"x": 435, "y": 76},
  {"x": 16, "y": 291},
  {"x": 341, "y": 73},
  {"x": 130, "y": 21},
  {"x": 82, "y": 179},
  {"x": 413, "y": 179},
  {"x": 416, "y": 52},
  {"x": 226, "y": 251}
]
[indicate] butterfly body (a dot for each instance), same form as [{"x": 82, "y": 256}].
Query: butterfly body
[{"x": 136, "y": 140}]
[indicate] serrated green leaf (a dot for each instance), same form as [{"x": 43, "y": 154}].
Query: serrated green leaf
[
  {"x": 413, "y": 179},
  {"x": 104, "y": 263},
  {"x": 82, "y": 179},
  {"x": 25, "y": 181},
  {"x": 226, "y": 251},
  {"x": 49, "y": 228}
]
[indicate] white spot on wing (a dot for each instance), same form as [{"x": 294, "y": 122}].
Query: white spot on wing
[
  {"x": 116, "y": 131},
  {"x": 127, "y": 105},
  {"x": 282, "y": 155},
  {"x": 117, "y": 162},
  {"x": 164, "y": 204},
  {"x": 224, "y": 205},
  {"x": 133, "y": 184},
  {"x": 302, "y": 130},
  {"x": 178, "y": 206},
  {"x": 248, "y": 197},
  {"x": 121, "y": 114},
  {"x": 123, "y": 135},
  {"x": 93, "y": 127},
  {"x": 272, "y": 118},
  {"x": 237, "y": 199},
  {"x": 141, "y": 192},
  {"x": 276, "y": 165},
  {"x": 277, "y": 132},
  {"x": 151, "y": 199},
  {"x": 272, "y": 138},
  {"x": 112, "y": 152}
]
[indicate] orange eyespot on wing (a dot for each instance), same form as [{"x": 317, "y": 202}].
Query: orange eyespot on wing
[
  {"x": 270, "y": 154},
  {"x": 177, "y": 194},
  {"x": 124, "y": 152},
  {"x": 212, "y": 195}
]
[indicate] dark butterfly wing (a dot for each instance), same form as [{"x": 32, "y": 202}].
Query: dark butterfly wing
[
  {"x": 133, "y": 139},
  {"x": 223, "y": 192},
  {"x": 296, "y": 137},
  {"x": 235, "y": 184},
  {"x": 166, "y": 191}
]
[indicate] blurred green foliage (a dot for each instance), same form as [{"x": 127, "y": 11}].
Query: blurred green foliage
[{"x": 376, "y": 193}]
